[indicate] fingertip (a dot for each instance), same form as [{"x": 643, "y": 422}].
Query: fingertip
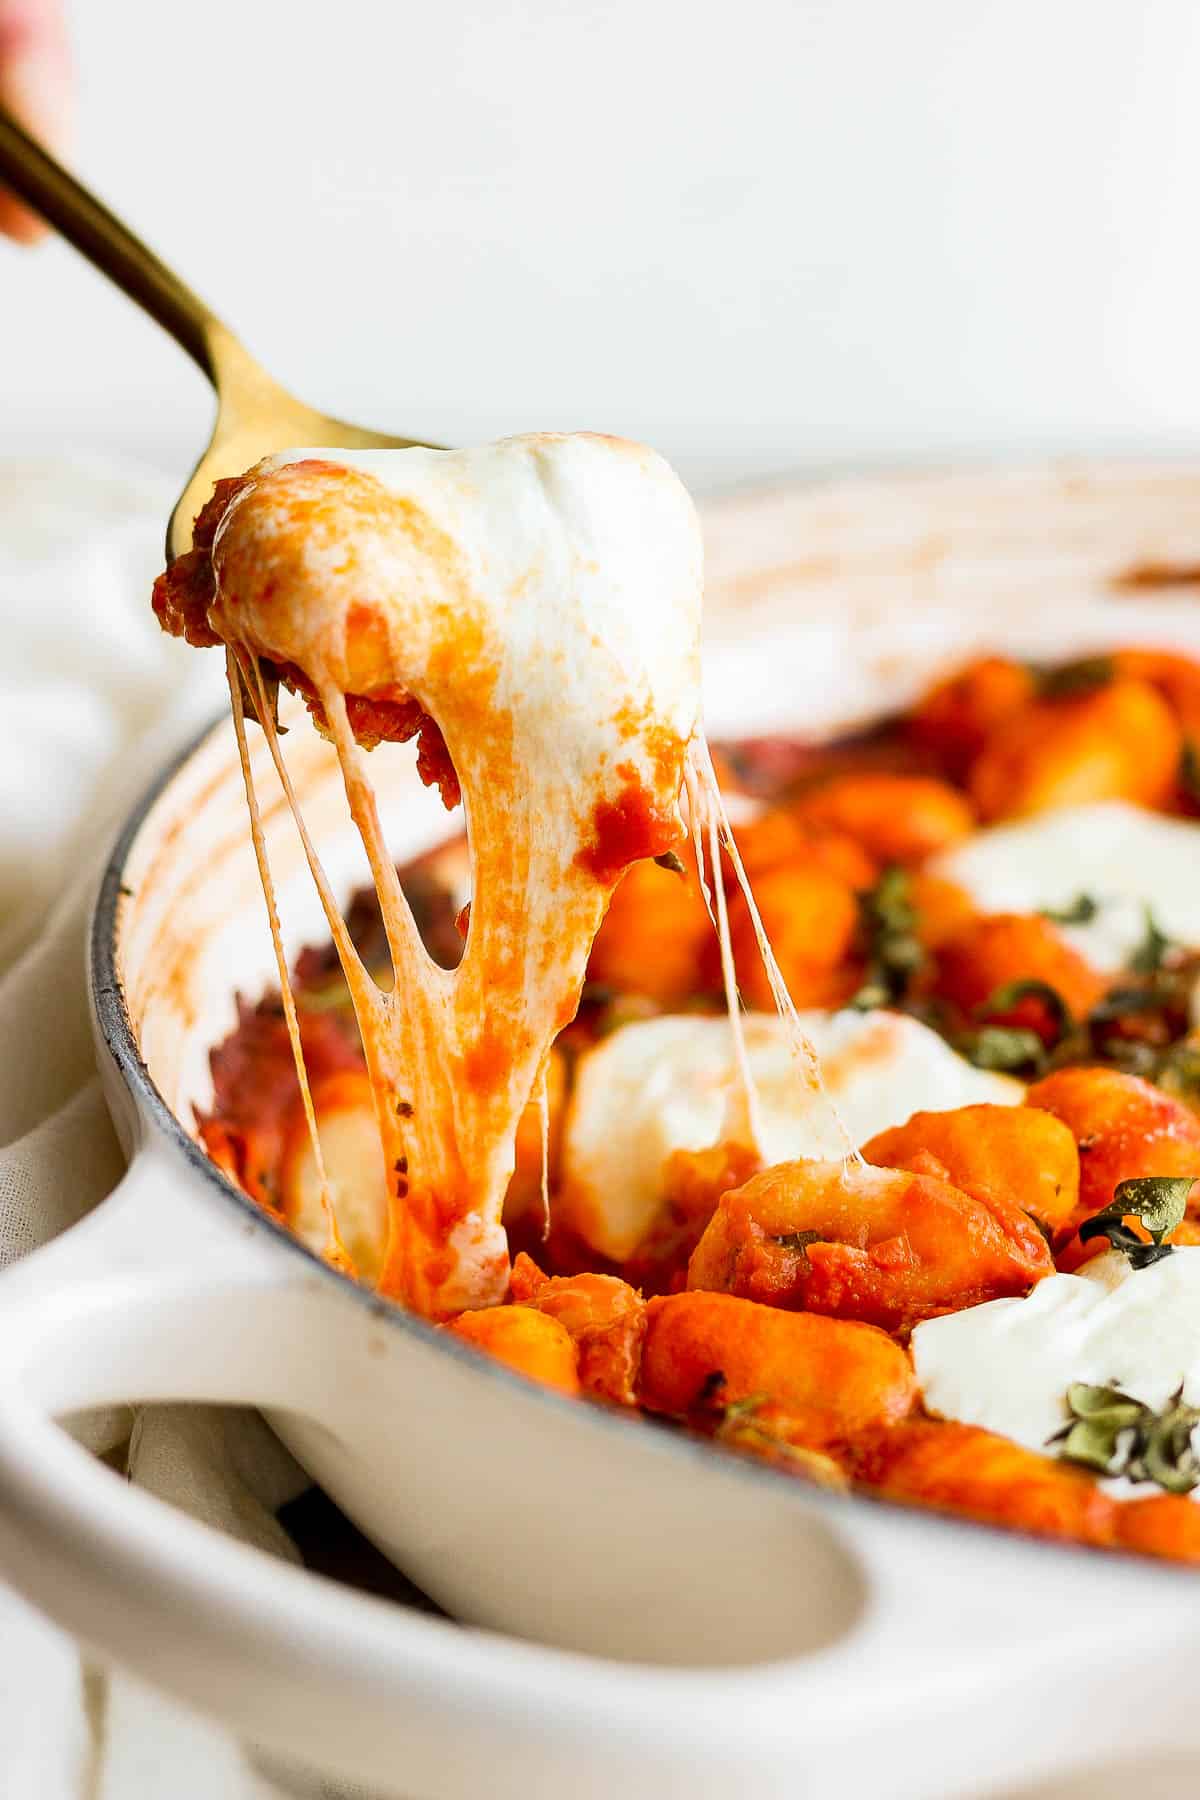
[
  {"x": 37, "y": 86},
  {"x": 18, "y": 224}
]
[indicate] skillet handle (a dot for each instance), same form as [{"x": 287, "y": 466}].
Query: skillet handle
[
  {"x": 161, "y": 1295},
  {"x": 158, "y": 1295}
]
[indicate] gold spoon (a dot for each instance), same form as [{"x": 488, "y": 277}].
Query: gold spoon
[{"x": 255, "y": 416}]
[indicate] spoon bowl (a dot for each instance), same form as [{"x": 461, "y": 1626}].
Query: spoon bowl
[{"x": 256, "y": 416}]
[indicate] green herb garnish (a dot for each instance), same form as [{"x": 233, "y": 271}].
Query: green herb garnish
[
  {"x": 1159, "y": 1201},
  {"x": 1189, "y": 770},
  {"x": 799, "y": 1240},
  {"x": 1079, "y": 911},
  {"x": 1114, "y": 1434},
  {"x": 736, "y": 1412},
  {"x": 1153, "y": 950},
  {"x": 1005, "y": 1048},
  {"x": 1125, "y": 1003},
  {"x": 1156, "y": 1053},
  {"x": 333, "y": 997},
  {"x": 1003, "y": 999},
  {"x": 1068, "y": 681},
  {"x": 1178, "y": 1071},
  {"x": 895, "y": 954},
  {"x": 741, "y": 1427}
]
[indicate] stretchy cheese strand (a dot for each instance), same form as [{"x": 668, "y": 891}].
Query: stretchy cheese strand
[
  {"x": 543, "y": 1102},
  {"x": 745, "y": 1114},
  {"x": 372, "y": 1008},
  {"x": 703, "y": 781},
  {"x": 334, "y": 1251}
]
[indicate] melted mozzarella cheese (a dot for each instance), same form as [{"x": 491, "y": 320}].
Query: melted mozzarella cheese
[
  {"x": 1007, "y": 1365},
  {"x": 663, "y": 1085},
  {"x": 1125, "y": 858},
  {"x": 576, "y": 557},
  {"x": 540, "y": 599}
]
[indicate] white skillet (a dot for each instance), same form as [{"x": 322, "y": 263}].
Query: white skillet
[{"x": 696, "y": 1624}]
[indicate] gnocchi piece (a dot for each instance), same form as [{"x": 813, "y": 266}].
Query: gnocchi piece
[
  {"x": 1176, "y": 678},
  {"x": 883, "y": 1246},
  {"x": 833, "y": 1378},
  {"x": 964, "y": 1469},
  {"x": 778, "y": 837},
  {"x": 896, "y": 818},
  {"x": 1166, "y": 1525},
  {"x": 1121, "y": 742},
  {"x": 654, "y": 936},
  {"x": 811, "y": 918},
  {"x": 1124, "y": 1127},
  {"x": 996, "y": 949},
  {"x": 604, "y": 1317},
  {"x": 663, "y": 1086},
  {"x": 942, "y": 908},
  {"x": 529, "y": 1342},
  {"x": 693, "y": 1181},
  {"x": 1018, "y": 1153},
  {"x": 956, "y": 717}
]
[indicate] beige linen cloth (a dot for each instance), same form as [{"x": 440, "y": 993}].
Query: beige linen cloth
[{"x": 93, "y": 699}]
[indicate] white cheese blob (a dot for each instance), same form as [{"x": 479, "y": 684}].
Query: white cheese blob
[
  {"x": 662, "y": 1085},
  {"x": 1007, "y": 1365},
  {"x": 540, "y": 599},
  {"x": 579, "y": 557},
  {"x": 1124, "y": 857}
]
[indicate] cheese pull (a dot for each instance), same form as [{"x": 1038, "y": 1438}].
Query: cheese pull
[{"x": 532, "y": 610}]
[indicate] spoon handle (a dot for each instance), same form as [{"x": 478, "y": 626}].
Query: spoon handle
[{"x": 43, "y": 184}]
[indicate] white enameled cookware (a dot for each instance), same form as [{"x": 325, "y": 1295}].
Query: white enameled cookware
[{"x": 676, "y": 1620}]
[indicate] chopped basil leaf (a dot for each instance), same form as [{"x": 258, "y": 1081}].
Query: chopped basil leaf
[
  {"x": 1003, "y": 999},
  {"x": 735, "y": 1412},
  {"x": 1158, "y": 1201},
  {"x": 1005, "y": 1048},
  {"x": 1067, "y": 681},
  {"x": 1178, "y": 1071},
  {"x": 1133, "y": 1058},
  {"x": 332, "y": 998},
  {"x": 894, "y": 952},
  {"x": 1124, "y": 1003},
  {"x": 1189, "y": 770},
  {"x": 1114, "y": 1434},
  {"x": 1098, "y": 1403},
  {"x": 798, "y": 1240},
  {"x": 741, "y": 1427},
  {"x": 1151, "y": 953},
  {"x": 870, "y": 996},
  {"x": 1079, "y": 911}
]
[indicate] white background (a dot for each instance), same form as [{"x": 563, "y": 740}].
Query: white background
[{"x": 762, "y": 234}]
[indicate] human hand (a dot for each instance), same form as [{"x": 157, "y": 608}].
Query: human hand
[{"x": 37, "y": 86}]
